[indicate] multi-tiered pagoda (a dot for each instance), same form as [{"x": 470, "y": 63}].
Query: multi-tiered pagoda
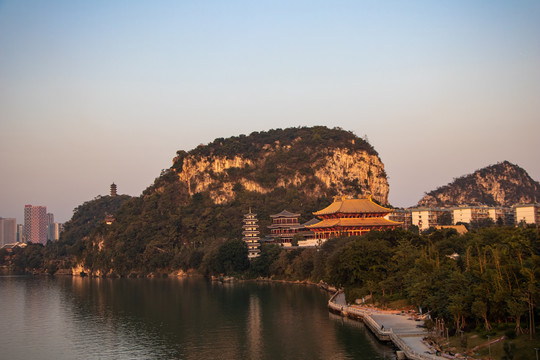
[
  {"x": 284, "y": 226},
  {"x": 351, "y": 217},
  {"x": 251, "y": 234},
  {"x": 113, "y": 189}
]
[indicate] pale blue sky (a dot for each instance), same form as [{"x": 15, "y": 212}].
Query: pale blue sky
[{"x": 93, "y": 92}]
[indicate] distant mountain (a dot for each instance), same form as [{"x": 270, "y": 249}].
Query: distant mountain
[{"x": 502, "y": 184}]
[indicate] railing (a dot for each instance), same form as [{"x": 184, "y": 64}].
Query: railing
[{"x": 374, "y": 326}]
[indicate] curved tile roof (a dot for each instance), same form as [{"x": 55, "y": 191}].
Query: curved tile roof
[
  {"x": 285, "y": 213},
  {"x": 326, "y": 223},
  {"x": 352, "y": 206}
]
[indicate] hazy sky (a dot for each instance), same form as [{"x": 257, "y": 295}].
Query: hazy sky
[{"x": 93, "y": 92}]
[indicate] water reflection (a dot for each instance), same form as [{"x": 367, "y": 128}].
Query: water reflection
[
  {"x": 254, "y": 328},
  {"x": 82, "y": 318}
]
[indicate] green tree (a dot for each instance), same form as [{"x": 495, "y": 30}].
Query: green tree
[
  {"x": 296, "y": 238},
  {"x": 29, "y": 258},
  {"x": 445, "y": 218},
  {"x": 261, "y": 265},
  {"x": 480, "y": 309},
  {"x": 232, "y": 257}
]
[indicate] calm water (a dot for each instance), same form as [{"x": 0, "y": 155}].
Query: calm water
[{"x": 81, "y": 318}]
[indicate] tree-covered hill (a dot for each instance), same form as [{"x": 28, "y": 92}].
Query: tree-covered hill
[
  {"x": 198, "y": 204},
  {"x": 309, "y": 137},
  {"x": 87, "y": 218}
]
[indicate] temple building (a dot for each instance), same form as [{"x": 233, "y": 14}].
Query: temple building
[
  {"x": 351, "y": 217},
  {"x": 251, "y": 234},
  {"x": 284, "y": 226},
  {"x": 109, "y": 219}
]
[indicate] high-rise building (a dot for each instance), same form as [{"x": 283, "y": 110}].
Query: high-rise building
[
  {"x": 50, "y": 218},
  {"x": 35, "y": 224},
  {"x": 8, "y": 231},
  {"x": 20, "y": 233},
  {"x": 53, "y": 231}
]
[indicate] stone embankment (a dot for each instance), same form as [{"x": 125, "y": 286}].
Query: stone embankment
[{"x": 400, "y": 330}]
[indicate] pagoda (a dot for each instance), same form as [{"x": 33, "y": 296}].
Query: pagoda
[
  {"x": 113, "y": 189},
  {"x": 351, "y": 217},
  {"x": 251, "y": 234},
  {"x": 284, "y": 226}
]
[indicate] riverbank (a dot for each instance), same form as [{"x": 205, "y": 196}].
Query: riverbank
[{"x": 403, "y": 331}]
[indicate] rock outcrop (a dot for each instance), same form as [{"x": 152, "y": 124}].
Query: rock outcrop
[
  {"x": 502, "y": 184},
  {"x": 324, "y": 169}
]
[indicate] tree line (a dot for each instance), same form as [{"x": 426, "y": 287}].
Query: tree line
[{"x": 478, "y": 280}]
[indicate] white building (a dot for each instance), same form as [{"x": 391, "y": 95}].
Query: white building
[
  {"x": 467, "y": 214},
  {"x": 528, "y": 213},
  {"x": 251, "y": 234},
  {"x": 501, "y": 213},
  {"x": 425, "y": 218}
]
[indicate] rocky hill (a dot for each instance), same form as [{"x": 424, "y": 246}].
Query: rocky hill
[
  {"x": 502, "y": 184},
  {"x": 318, "y": 161},
  {"x": 199, "y": 202}
]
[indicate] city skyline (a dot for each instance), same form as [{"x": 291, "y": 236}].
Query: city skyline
[{"x": 103, "y": 92}]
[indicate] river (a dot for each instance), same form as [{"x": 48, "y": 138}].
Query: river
[{"x": 184, "y": 318}]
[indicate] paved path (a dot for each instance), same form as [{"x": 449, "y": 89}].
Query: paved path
[
  {"x": 405, "y": 328},
  {"x": 402, "y": 325}
]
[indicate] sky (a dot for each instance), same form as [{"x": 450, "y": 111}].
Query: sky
[{"x": 95, "y": 92}]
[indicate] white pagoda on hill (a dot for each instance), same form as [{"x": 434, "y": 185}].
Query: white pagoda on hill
[{"x": 251, "y": 234}]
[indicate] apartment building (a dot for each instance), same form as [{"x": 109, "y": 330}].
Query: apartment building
[
  {"x": 527, "y": 213},
  {"x": 425, "y": 218}
]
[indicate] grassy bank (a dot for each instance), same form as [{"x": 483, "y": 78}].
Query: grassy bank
[{"x": 477, "y": 345}]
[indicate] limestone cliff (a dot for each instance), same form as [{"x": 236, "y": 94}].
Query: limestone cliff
[
  {"x": 502, "y": 184},
  {"x": 318, "y": 161}
]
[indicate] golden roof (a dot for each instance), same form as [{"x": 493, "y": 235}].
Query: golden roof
[
  {"x": 352, "y": 206},
  {"x": 350, "y": 222}
]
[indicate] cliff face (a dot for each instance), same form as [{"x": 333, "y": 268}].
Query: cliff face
[
  {"x": 342, "y": 168},
  {"x": 503, "y": 184},
  {"x": 320, "y": 169},
  {"x": 210, "y": 174}
]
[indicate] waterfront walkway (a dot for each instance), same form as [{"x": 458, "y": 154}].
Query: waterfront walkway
[{"x": 387, "y": 326}]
